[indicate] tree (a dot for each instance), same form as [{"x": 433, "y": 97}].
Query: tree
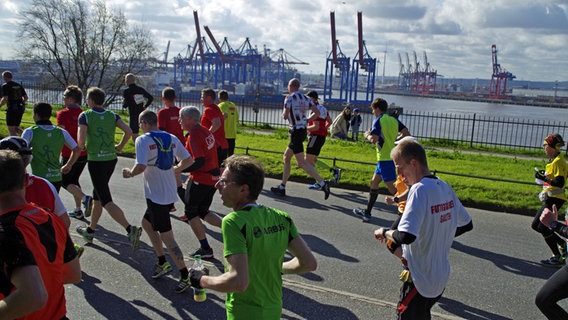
[{"x": 83, "y": 42}]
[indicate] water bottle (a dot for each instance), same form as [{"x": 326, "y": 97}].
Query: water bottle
[{"x": 199, "y": 295}]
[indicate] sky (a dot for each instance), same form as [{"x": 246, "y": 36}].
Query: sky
[{"x": 456, "y": 35}]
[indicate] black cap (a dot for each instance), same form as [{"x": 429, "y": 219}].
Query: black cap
[
  {"x": 554, "y": 140},
  {"x": 313, "y": 94},
  {"x": 15, "y": 143}
]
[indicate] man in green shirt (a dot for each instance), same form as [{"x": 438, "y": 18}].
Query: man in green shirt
[
  {"x": 383, "y": 134},
  {"x": 46, "y": 142},
  {"x": 96, "y": 134},
  {"x": 255, "y": 239},
  {"x": 231, "y": 114}
]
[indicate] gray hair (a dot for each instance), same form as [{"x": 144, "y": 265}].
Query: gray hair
[{"x": 191, "y": 112}]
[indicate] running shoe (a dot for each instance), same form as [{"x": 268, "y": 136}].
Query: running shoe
[
  {"x": 134, "y": 237},
  {"x": 278, "y": 190},
  {"x": 315, "y": 186},
  {"x": 326, "y": 189},
  {"x": 555, "y": 261},
  {"x": 364, "y": 216},
  {"x": 204, "y": 253},
  {"x": 183, "y": 284},
  {"x": 88, "y": 236},
  {"x": 87, "y": 205},
  {"x": 75, "y": 213},
  {"x": 161, "y": 269},
  {"x": 336, "y": 175},
  {"x": 79, "y": 250}
]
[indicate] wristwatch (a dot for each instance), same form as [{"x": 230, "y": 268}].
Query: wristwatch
[
  {"x": 553, "y": 225},
  {"x": 396, "y": 199}
]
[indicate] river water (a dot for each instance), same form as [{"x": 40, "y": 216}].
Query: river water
[{"x": 411, "y": 103}]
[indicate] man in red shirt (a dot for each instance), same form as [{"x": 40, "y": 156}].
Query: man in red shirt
[
  {"x": 214, "y": 120},
  {"x": 168, "y": 120},
  {"x": 168, "y": 117},
  {"x": 29, "y": 229},
  {"x": 68, "y": 119},
  {"x": 204, "y": 174}
]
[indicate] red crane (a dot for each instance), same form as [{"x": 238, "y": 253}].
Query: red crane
[{"x": 499, "y": 77}]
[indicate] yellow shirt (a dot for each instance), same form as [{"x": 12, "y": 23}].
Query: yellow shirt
[{"x": 556, "y": 168}]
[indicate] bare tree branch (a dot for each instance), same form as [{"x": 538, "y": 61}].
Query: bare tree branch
[{"x": 84, "y": 42}]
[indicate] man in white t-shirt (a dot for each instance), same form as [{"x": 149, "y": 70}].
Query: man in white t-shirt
[
  {"x": 155, "y": 151},
  {"x": 432, "y": 218}
]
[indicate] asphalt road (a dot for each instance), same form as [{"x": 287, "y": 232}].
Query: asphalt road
[{"x": 495, "y": 269}]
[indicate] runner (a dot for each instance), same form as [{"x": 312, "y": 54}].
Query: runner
[
  {"x": 96, "y": 134},
  {"x": 432, "y": 218},
  {"x": 46, "y": 142},
  {"x": 133, "y": 98},
  {"x": 25, "y": 244},
  {"x": 296, "y": 106},
  {"x": 14, "y": 95},
  {"x": 383, "y": 134},
  {"x": 317, "y": 133},
  {"x": 67, "y": 119},
  {"x": 155, "y": 154},
  {"x": 203, "y": 175}
]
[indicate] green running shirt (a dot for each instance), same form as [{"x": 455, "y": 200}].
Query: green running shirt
[
  {"x": 100, "y": 135},
  {"x": 263, "y": 234}
]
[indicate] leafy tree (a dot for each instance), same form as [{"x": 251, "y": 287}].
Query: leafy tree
[{"x": 84, "y": 42}]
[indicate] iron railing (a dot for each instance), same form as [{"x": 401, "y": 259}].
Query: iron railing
[{"x": 473, "y": 129}]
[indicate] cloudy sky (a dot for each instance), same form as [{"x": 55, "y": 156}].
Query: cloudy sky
[{"x": 531, "y": 35}]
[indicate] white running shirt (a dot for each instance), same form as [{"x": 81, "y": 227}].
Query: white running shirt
[
  {"x": 432, "y": 213},
  {"x": 159, "y": 185}
]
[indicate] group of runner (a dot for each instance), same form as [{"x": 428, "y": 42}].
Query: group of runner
[{"x": 430, "y": 214}]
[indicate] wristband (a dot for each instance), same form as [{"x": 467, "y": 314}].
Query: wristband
[
  {"x": 396, "y": 199},
  {"x": 384, "y": 232}
]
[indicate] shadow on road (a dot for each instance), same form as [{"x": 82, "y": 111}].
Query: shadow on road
[
  {"x": 507, "y": 263},
  {"x": 467, "y": 312},
  {"x": 108, "y": 304},
  {"x": 212, "y": 308},
  {"x": 326, "y": 249},
  {"x": 313, "y": 201},
  {"x": 307, "y": 308}
]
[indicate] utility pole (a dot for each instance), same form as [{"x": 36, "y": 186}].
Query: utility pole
[{"x": 384, "y": 64}]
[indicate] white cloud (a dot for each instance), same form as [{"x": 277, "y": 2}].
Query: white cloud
[{"x": 531, "y": 36}]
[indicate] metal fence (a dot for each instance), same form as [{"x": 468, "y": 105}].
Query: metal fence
[{"x": 473, "y": 129}]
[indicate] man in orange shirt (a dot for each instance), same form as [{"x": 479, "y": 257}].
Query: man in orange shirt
[{"x": 31, "y": 240}]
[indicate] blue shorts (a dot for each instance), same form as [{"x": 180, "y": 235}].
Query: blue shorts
[{"x": 387, "y": 170}]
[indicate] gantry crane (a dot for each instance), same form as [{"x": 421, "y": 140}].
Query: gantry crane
[
  {"x": 499, "y": 77},
  {"x": 336, "y": 68},
  {"x": 418, "y": 77},
  {"x": 363, "y": 62}
]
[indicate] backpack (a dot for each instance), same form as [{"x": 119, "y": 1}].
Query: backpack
[{"x": 164, "y": 145}]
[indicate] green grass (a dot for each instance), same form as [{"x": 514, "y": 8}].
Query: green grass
[
  {"x": 495, "y": 194},
  {"x": 267, "y": 144}
]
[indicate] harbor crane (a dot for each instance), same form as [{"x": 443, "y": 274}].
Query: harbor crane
[
  {"x": 336, "y": 68},
  {"x": 363, "y": 62},
  {"x": 499, "y": 77}
]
